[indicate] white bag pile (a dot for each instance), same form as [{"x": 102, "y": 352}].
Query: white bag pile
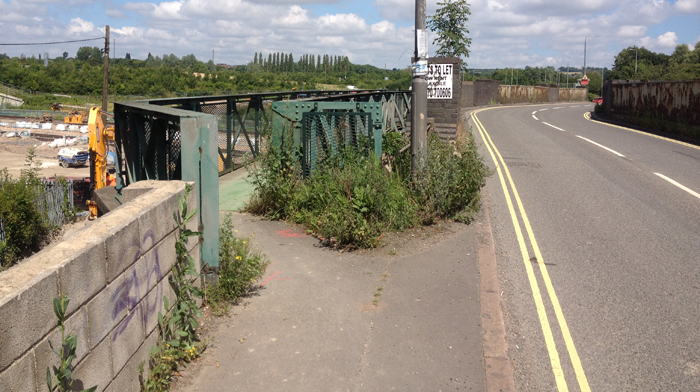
[
  {"x": 46, "y": 126},
  {"x": 73, "y": 128},
  {"x": 58, "y": 143},
  {"x": 84, "y": 129},
  {"x": 61, "y": 127}
]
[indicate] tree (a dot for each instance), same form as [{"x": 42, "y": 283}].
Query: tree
[
  {"x": 83, "y": 53},
  {"x": 450, "y": 25}
]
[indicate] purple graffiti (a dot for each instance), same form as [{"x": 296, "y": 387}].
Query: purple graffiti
[{"x": 126, "y": 294}]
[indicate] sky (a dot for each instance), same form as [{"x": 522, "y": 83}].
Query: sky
[{"x": 505, "y": 33}]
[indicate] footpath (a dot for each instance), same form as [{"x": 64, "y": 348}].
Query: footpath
[{"x": 322, "y": 320}]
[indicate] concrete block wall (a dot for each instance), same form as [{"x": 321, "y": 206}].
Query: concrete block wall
[{"x": 114, "y": 272}]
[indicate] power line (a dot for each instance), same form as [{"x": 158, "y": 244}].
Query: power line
[{"x": 55, "y": 43}]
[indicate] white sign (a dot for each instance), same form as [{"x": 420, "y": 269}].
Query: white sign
[
  {"x": 439, "y": 79},
  {"x": 422, "y": 42}
]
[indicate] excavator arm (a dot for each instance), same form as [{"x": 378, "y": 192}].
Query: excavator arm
[{"x": 99, "y": 135}]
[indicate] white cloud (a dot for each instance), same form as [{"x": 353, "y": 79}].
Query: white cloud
[
  {"x": 688, "y": 6},
  {"x": 115, "y": 13},
  {"x": 78, "y": 26},
  {"x": 342, "y": 23},
  {"x": 662, "y": 43},
  {"x": 631, "y": 31},
  {"x": 296, "y": 16},
  {"x": 668, "y": 39}
]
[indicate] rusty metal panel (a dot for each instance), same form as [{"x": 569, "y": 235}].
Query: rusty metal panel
[
  {"x": 573, "y": 94},
  {"x": 668, "y": 106},
  {"x": 523, "y": 94}
]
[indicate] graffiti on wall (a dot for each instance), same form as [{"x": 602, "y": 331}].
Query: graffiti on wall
[{"x": 128, "y": 294}]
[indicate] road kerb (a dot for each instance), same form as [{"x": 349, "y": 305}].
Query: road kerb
[{"x": 499, "y": 373}]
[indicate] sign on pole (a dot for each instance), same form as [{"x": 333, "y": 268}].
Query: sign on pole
[{"x": 439, "y": 80}]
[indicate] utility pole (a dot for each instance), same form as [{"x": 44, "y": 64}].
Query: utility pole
[
  {"x": 105, "y": 84},
  {"x": 419, "y": 95}
]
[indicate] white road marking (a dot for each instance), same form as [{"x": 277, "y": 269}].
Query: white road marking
[
  {"x": 542, "y": 109},
  {"x": 553, "y": 126},
  {"x": 557, "y": 108},
  {"x": 601, "y": 146},
  {"x": 533, "y": 116},
  {"x": 692, "y": 192},
  {"x": 575, "y": 106},
  {"x": 534, "y": 112}
]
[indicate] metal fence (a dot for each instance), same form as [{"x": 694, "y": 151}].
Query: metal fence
[
  {"x": 243, "y": 119},
  {"x": 324, "y": 134},
  {"x": 56, "y": 201}
]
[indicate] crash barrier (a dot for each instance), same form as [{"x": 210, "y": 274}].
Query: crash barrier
[{"x": 114, "y": 272}]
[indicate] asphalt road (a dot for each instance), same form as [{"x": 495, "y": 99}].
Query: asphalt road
[{"x": 601, "y": 282}]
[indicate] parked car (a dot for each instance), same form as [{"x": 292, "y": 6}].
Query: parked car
[{"x": 598, "y": 100}]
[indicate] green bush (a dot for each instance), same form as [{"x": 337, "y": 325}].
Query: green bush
[
  {"x": 25, "y": 224},
  {"x": 239, "y": 267},
  {"x": 351, "y": 199},
  {"x": 450, "y": 187}
]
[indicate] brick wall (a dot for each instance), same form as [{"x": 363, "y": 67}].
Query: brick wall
[{"x": 114, "y": 273}]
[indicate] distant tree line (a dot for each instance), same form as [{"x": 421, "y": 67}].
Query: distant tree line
[
  {"x": 169, "y": 75},
  {"x": 284, "y": 62}
]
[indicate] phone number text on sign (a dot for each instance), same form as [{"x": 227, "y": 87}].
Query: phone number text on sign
[{"x": 439, "y": 79}]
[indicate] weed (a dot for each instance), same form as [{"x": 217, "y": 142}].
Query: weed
[
  {"x": 239, "y": 267},
  {"x": 177, "y": 340},
  {"x": 64, "y": 372},
  {"x": 351, "y": 199},
  {"x": 451, "y": 184}
]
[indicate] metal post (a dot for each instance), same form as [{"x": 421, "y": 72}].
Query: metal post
[
  {"x": 419, "y": 99},
  {"x": 105, "y": 84},
  {"x": 584, "y": 52}
]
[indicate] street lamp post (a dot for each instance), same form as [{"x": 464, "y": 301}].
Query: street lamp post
[
  {"x": 635, "y": 60},
  {"x": 584, "y": 52}
]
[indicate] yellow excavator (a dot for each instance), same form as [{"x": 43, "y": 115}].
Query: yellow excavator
[
  {"x": 100, "y": 135},
  {"x": 73, "y": 116}
]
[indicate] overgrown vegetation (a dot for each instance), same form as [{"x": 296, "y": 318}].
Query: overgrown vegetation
[
  {"x": 351, "y": 199},
  {"x": 178, "y": 342},
  {"x": 63, "y": 374},
  {"x": 239, "y": 267},
  {"x": 23, "y": 215}
]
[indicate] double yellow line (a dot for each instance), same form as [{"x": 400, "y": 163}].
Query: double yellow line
[{"x": 501, "y": 167}]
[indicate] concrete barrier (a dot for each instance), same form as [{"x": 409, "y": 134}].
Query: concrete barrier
[{"x": 114, "y": 272}]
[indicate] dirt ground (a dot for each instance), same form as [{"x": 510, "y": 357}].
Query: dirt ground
[{"x": 13, "y": 151}]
